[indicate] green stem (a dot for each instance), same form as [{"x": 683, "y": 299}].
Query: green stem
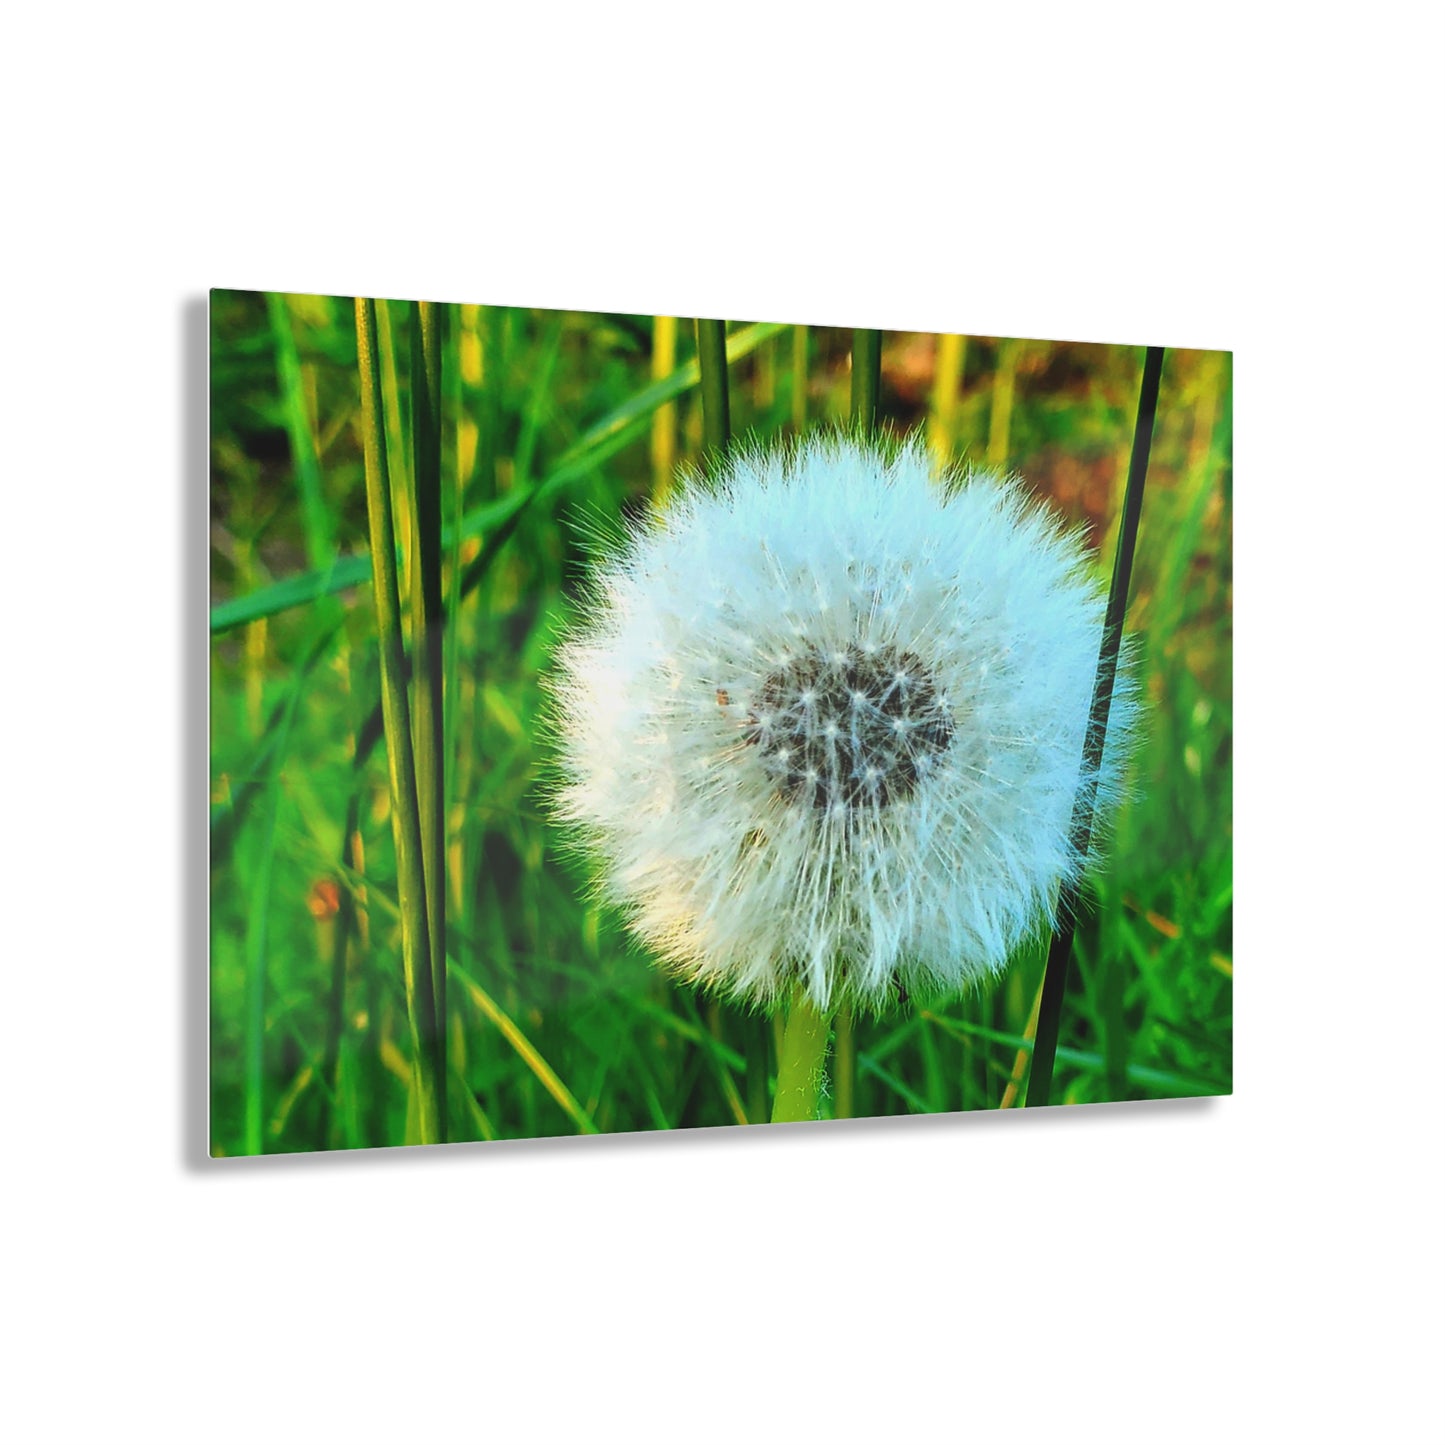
[
  {"x": 801, "y": 1063},
  {"x": 621, "y": 426},
  {"x": 800, "y": 377},
  {"x": 1001, "y": 404},
  {"x": 867, "y": 369},
  {"x": 1051, "y": 999},
  {"x": 844, "y": 1064},
  {"x": 320, "y": 533},
  {"x": 396, "y": 718},
  {"x": 712, "y": 359},
  {"x": 426, "y": 632}
]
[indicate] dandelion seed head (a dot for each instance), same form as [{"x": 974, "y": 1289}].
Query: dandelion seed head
[{"x": 822, "y": 723}]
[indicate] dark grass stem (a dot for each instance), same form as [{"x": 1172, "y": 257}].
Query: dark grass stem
[
  {"x": 396, "y": 718},
  {"x": 426, "y": 631},
  {"x": 867, "y": 372},
  {"x": 712, "y": 360},
  {"x": 1046, "y": 1039}
]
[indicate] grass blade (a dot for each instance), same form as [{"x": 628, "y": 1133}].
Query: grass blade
[
  {"x": 320, "y": 532},
  {"x": 798, "y": 401},
  {"x": 943, "y": 405},
  {"x": 544, "y": 1073},
  {"x": 396, "y": 716},
  {"x": 712, "y": 360},
  {"x": 426, "y": 632},
  {"x": 610, "y": 434},
  {"x": 664, "y": 419},
  {"x": 867, "y": 372},
  {"x": 1081, "y": 826}
]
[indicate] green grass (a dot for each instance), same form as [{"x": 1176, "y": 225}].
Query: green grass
[{"x": 556, "y": 1025}]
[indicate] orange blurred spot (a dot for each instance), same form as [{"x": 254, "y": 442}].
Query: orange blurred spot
[{"x": 324, "y": 899}]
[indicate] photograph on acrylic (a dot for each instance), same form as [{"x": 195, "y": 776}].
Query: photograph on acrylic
[{"x": 631, "y": 723}]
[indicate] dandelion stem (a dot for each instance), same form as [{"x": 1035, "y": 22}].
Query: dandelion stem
[
  {"x": 396, "y": 715},
  {"x": 801, "y": 1060},
  {"x": 867, "y": 368},
  {"x": 1056, "y": 970},
  {"x": 712, "y": 358},
  {"x": 844, "y": 1064}
]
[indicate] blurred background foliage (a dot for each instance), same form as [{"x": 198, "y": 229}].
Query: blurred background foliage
[{"x": 556, "y": 1023}]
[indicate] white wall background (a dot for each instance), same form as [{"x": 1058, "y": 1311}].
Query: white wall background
[{"x": 1253, "y": 177}]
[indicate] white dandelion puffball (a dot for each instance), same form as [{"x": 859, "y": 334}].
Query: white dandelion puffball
[{"x": 822, "y": 723}]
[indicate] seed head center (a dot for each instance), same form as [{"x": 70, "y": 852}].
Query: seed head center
[{"x": 848, "y": 728}]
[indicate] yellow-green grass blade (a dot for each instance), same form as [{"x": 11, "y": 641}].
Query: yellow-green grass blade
[
  {"x": 915, "y": 1101},
  {"x": 943, "y": 403},
  {"x": 712, "y": 360},
  {"x": 1169, "y": 1084},
  {"x": 226, "y": 815},
  {"x": 241, "y": 783},
  {"x": 316, "y": 516},
  {"x": 615, "y": 430},
  {"x": 396, "y": 716},
  {"x": 798, "y": 402},
  {"x": 426, "y": 633},
  {"x": 867, "y": 374},
  {"x": 525, "y": 1050}
]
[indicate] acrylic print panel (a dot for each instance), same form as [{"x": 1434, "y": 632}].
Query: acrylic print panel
[{"x": 625, "y": 723}]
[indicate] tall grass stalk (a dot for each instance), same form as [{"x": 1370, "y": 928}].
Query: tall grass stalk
[
  {"x": 618, "y": 428},
  {"x": 799, "y": 398},
  {"x": 1001, "y": 401},
  {"x": 465, "y": 438},
  {"x": 394, "y": 428},
  {"x": 396, "y": 715},
  {"x": 1046, "y": 1037},
  {"x": 426, "y": 633},
  {"x": 316, "y": 516},
  {"x": 712, "y": 360},
  {"x": 664, "y": 419},
  {"x": 867, "y": 372},
  {"x": 947, "y": 381}
]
